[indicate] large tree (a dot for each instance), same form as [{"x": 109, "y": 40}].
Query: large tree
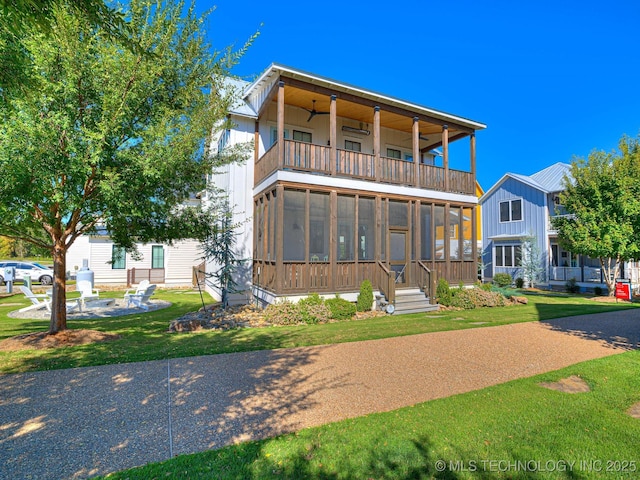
[
  {"x": 602, "y": 201},
  {"x": 110, "y": 136}
]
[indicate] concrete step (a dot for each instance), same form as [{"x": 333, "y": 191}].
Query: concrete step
[{"x": 412, "y": 301}]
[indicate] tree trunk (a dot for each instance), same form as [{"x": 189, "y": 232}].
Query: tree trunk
[
  {"x": 610, "y": 273},
  {"x": 58, "y": 321}
]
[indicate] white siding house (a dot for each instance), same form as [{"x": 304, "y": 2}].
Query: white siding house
[{"x": 170, "y": 265}]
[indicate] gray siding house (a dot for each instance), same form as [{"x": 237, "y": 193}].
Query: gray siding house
[{"x": 520, "y": 207}]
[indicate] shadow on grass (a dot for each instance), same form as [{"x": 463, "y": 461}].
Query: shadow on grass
[{"x": 618, "y": 329}]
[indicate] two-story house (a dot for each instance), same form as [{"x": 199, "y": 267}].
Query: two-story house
[
  {"x": 519, "y": 207},
  {"x": 345, "y": 185}
]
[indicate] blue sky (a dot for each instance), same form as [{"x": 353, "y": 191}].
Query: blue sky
[{"x": 551, "y": 80}]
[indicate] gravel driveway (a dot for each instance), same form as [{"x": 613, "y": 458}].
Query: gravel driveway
[{"x": 97, "y": 420}]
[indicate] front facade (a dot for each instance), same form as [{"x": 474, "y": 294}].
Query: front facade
[
  {"x": 520, "y": 208},
  {"x": 347, "y": 185}
]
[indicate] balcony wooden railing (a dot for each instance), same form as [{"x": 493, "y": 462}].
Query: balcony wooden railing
[{"x": 312, "y": 158}]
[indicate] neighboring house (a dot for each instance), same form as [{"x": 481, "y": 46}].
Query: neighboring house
[
  {"x": 346, "y": 185},
  {"x": 169, "y": 265},
  {"x": 520, "y": 206}
]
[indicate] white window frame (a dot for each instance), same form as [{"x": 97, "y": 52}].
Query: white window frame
[
  {"x": 510, "y": 202},
  {"x": 504, "y": 247}
]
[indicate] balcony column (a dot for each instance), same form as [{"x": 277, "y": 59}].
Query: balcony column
[
  {"x": 472, "y": 149},
  {"x": 333, "y": 135},
  {"x": 376, "y": 142},
  {"x": 280, "y": 124},
  {"x": 279, "y": 234},
  {"x": 416, "y": 151},
  {"x": 445, "y": 156}
]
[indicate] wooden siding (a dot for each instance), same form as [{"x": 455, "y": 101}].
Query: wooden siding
[{"x": 306, "y": 157}]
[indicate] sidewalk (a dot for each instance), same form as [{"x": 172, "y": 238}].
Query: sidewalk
[{"x": 82, "y": 422}]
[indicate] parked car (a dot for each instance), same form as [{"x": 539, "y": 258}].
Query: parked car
[{"x": 38, "y": 273}]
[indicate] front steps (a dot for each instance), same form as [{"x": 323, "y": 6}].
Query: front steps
[{"x": 413, "y": 300}]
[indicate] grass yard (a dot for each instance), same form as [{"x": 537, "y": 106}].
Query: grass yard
[
  {"x": 516, "y": 430},
  {"x": 145, "y": 337}
]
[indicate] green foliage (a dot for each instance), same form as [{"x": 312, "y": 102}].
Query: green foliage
[
  {"x": 602, "y": 200},
  {"x": 519, "y": 282},
  {"x": 108, "y": 136},
  {"x": 597, "y": 291},
  {"x": 219, "y": 247},
  {"x": 506, "y": 292},
  {"x": 470, "y": 298},
  {"x": 365, "y": 297},
  {"x": 572, "y": 286},
  {"x": 283, "y": 313},
  {"x": 340, "y": 308},
  {"x": 502, "y": 279},
  {"x": 309, "y": 310},
  {"x": 443, "y": 293}
]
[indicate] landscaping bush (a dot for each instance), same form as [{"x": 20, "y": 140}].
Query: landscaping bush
[
  {"x": 313, "y": 309},
  {"x": 502, "y": 279},
  {"x": 572, "y": 286},
  {"x": 340, "y": 308},
  {"x": 597, "y": 291},
  {"x": 282, "y": 313},
  {"x": 308, "y": 310},
  {"x": 443, "y": 293},
  {"x": 365, "y": 297},
  {"x": 519, "y": 282},
  {"x": 470, "y": 298}
]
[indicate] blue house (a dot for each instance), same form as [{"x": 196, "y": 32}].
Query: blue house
[{"x": 518, "y": 209}]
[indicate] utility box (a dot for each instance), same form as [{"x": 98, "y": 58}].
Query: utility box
[{"x": 26, "y": 279}]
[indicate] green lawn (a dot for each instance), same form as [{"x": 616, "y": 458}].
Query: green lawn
[
  {"x": 145, "y": 337},
  {"x": 513, "y": 430}
]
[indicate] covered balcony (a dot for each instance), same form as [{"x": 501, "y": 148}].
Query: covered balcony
[{"x": 322, "y": 131}]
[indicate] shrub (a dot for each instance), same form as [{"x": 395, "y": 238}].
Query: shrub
[
  {"x": 282, "y": 313},
  {"x": 308, "y": 310},
  {"x": 313, "y": 310},
  {"x": 443, "y": 293},
  {"x": 340, "y": 308},
  {"x": 502, "y": 279},
  {"x": 470, "y": 298},
  {"x": 572, "y": 286},
  {"x": 486, "y": 287},
  {"x": 597, "y": 291},
  {"x": 519, "y": 282},
  {"x": 365, "y": 297}
]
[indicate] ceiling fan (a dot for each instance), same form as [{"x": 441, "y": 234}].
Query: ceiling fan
[{"x": 313, "y": 112}]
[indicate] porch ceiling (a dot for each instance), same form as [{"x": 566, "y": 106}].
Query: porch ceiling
[{"x": 363, "y": 113}]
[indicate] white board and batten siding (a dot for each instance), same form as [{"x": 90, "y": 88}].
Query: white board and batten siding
[
  {"x": 534, "y": 218},
  {"x": 179, "y": 260}
]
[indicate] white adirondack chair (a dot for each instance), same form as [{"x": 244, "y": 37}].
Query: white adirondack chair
[
  {"x": 141, "y": 300},
  {"x": 41, "y": 300},
  {"x": 86, "y": 291},
  {"x": 38, "y": 300},
  {"x": 139, "y": 290}
]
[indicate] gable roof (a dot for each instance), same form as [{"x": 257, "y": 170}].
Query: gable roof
[
  {"x": 547, "y": 180},
  {"x": 255, "y": 93}
]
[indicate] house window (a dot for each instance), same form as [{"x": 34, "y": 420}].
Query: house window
[
  {"x": 274, "y": 135},
  {"x": 508, "y": 255},
  {"x": 393, "y": 153},
  {"x": 301, "y": 136},
  {"x": 224, "y": 139},
  {"x": 511, "y": 210},
  {"x": 118, "y": 258},
  {"x": 157, "y": 256},
  {"x": 353, "y": 146}
]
